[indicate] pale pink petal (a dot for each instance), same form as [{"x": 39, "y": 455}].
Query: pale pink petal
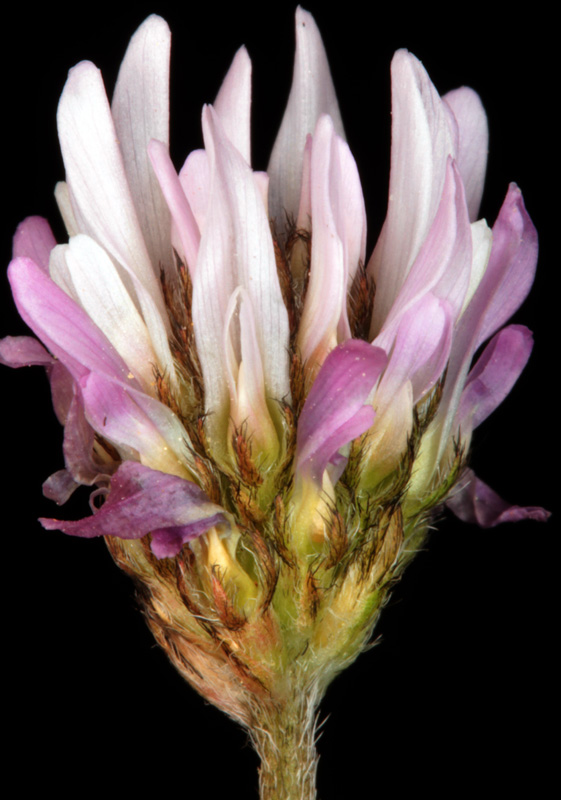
[
  {"x": 60, "y": 486},
  {"x": 64, "y": 203},
  {"x": 418, "y": 350},
  {"x": 326, "y": 294},
  {"x": 34, "y": 239},
  {"x": 233, "y": 103},
  {"x": 494, "y": 375},
  {"x": 140, "y": 110},
  {"x": 338, "y": 242},
  {"x": 512, "y": 266},
  {"x": 181, "y": 212},
  {"x": 23, "y": 351},
  {"x": 63, "y": 388},
  {"x": 102, "y": 294},
  {"x": 143, "y": 501},
  {"x": 244, "y": 369},
  {"x": 304, "y": 219},
  {"x": 133, "y": 420},
  {"x": 474, "y": 501},
  {"x": 97, "y": 179},
  {"x": 335, "y": 411},
  {"x": 443, "y": 265},
  {"x": 502, "y": 288},
  {"x": 62, "y": 325},
  {"x": 473, "y": 144},
  {"x": 195, "y": 180},
  {"x": 236, "y": 250},
  {"x": 78, "y": 446},
  {"x": 312, "y": 94},
  {"x": 422, "y": 140}
]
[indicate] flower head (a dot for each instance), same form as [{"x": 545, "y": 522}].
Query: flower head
[{"x": 271, "y": 415}]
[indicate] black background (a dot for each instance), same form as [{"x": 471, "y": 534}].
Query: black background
[{"x": 458, "y": 693}]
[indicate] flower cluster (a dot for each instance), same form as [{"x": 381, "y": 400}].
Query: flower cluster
[{"x": 270, "y": 415}]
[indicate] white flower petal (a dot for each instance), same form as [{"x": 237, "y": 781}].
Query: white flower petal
[
  {"x": 102, "y": 294},
  {"x": 233, "y": 103},
  {"x": 96, "y": 176},
  {"x": 422, "y": 140},
  {"x": 140, "y": 110},
  {"x": 473, "y": 143},
  {"x": 236, "y": 250},
  {"x": 312, "y": 94}
]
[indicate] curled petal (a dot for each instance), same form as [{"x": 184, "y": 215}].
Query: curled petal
[
  {"x": 142, "y": 501},
  {"x": 60, "y": 486},
  {"x": 474, "y": 501},
  {"x": 511, "y": 269},
  {"x": 23, "y": 351},
  {"x": 335, "y": 411},
  {"x": 494, "y": 375},
  {"x": 312, "y": 94},
  {"x": 501, "y": 290}
]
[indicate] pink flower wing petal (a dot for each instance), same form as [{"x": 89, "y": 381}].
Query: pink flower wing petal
[
  {"x": 62, "y": 325},
  {"x": 335, "y": 411},
  {"x": 476, "y": 502},
  {"x": 494, "y": 375},
  {"x": 143, "y": 500}
]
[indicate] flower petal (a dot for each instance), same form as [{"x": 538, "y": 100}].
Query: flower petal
[
  {"x": 236, "y": 250},
  {"x": 101, "y": 293},
  {"x": 335, "y": 411},
  {"x": 494, "y": 375},
  {"x": 132, "y": 419},
  {"x": 233, "y": 103},
  {"x": 140, "y": 110},
  {"x": 473, "y": 143},
  {"x": 62, "y": 325},
  {"x": 23, "y": 351},
  {"x": 312, "y": 94},
  {"x": 97, "y": 179},
  {"x": 34, "y": 239},
  {"x": 422, "y": 140},
  {"x": 476, "y": 502},
  {"x": 143, "y": 500},
  {"x": 512, "y": 266},
  {"x": 502, "y": 288},
  {"x": 443, "y": 265},
  {"x": 178, "y": 204},
  {"x": 338, "y": 242},
  {"x": 195, "y": 180}
]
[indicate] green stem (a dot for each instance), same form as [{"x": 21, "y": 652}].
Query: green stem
[{"x": 285, "y": 742}]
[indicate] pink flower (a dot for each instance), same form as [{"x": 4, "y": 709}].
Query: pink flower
[{"x": 190, "y": 348}]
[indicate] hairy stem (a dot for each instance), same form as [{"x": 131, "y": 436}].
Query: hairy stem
[{"x": 285, "y": 742}]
